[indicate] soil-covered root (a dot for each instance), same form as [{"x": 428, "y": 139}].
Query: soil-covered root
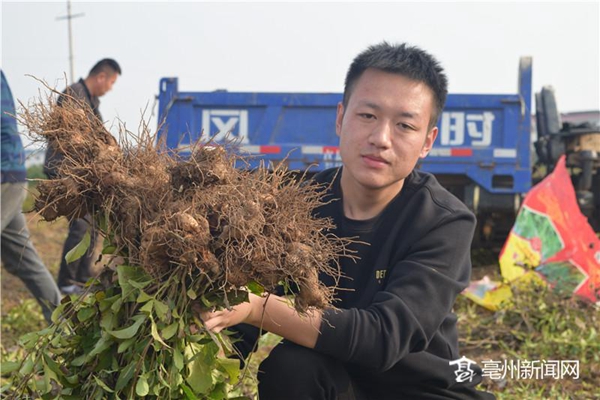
[
  {"x": 207, "y": 165},
  {"x": 58, "y": 198}
]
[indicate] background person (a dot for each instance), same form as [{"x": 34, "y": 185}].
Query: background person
[
  {"x": 100, "y": 80},
  {"x": 395, "y": 335},
  {"x": 19, "y": 257}
]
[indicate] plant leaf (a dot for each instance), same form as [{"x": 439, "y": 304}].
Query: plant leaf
[
  {"x": 58, "y": 312},
  {"x": 53, "y": 366},
  {"x": 78, "y": 362},
  {"x": 29, "y": 340},
  {"x": 170, "y": 330},
  {"x": 161, "y": 310},
  {"x": 189, "y": 395},
  {"x": 73, "y": 380},
  {"x": 103, "y": 385},
  {"x": 125, "y": 345},
  {"x": 218, "y": 392},
  {"x": 143, "y": 297},
  {"x": 78, "y": 251},
  {"x": 141, "y": 387},
  {"x": 255, "y": 287},
  {"x": 231, "y": 367},
  {"x": 85, "y": 313},
  {"x": 9, "y": 366},
  {"x": 110, "y": 249},
  {"x": 129, "y": 332},
  {"x": 156, "y": 336},
  {"x": 125, "y": 376},
  {"x": 107, "y": 302},
  {"x": 200, "y": 369},
  {"x": 177, "y": 359},
  {"x": 101, "y": 345},
  {"x": 147, "y": 308},
  {"x": 108, "y": 320},
  {"x": 27, "y": 366},
  {"x": 140, "y": 284},
  {"x": 102, "y": 222},
  {"x": 127, "y": 274}
]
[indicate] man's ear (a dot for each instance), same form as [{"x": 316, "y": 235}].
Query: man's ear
[
  {"x": 429, "y": 140},
  {"x": 339, "y": 118}
]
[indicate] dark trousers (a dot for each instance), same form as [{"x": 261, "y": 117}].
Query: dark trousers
[
  {"x": 293, "y": 372},
  {"x": 79, "y": 271}
]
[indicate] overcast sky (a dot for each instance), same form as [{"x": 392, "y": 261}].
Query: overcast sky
[{"x": 298, "y": 47}]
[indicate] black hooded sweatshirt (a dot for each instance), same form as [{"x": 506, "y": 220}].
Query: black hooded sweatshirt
[{"x": 395, "y": 328}]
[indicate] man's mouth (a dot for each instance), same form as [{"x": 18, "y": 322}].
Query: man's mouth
[{"x": 374, "y": 160}]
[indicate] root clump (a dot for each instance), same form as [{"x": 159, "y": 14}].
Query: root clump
[{"x": 196, "y": 215}]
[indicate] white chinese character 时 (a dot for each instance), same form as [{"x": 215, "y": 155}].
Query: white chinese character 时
[
  {"x": 463, "y": 372},
  {"x": 493, "y": 369},
  {"x": 479, "y": 128},
  {"x": 481, "y": 137}
]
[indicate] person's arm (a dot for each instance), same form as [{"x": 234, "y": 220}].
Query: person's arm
[
  {"x": 273, "y": 314},
  {"x": 402, "y": 318}
]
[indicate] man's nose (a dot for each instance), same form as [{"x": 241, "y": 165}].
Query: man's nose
[{"x": 381, "y": 134}]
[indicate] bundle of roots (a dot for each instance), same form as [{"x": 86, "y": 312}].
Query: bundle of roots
[{"x": 197, "y": 213}]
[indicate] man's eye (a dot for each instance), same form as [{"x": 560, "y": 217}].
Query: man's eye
[
  {"x": 406, "y": 126},
  {"x": 366, "y": 116}
]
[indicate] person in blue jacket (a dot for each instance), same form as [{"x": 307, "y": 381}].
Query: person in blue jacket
[
  {"x": 393, "y": 335},
  {"x": 19, "y": 257}
]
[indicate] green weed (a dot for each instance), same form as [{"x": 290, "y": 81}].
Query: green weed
[
  {"x": 540, "y": 325},
  {"x": 25, "y": 317}
]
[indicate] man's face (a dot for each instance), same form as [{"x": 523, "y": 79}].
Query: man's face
[
  {"x": 383, "y": 131},
  {"x": 105, "y": 83}
]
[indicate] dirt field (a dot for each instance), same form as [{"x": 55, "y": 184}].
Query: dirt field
[{"x": 477, "y": 335}]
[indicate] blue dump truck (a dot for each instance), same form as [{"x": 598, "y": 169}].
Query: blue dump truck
[{"x": 483, "y": 153}]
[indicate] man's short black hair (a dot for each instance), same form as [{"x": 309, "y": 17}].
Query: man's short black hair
[
  {"x": 402, "y": 59},
  {"x": 107, "y": 65}
]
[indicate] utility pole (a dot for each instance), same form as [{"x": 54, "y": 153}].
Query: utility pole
[{"x": 69, "y": 17}]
